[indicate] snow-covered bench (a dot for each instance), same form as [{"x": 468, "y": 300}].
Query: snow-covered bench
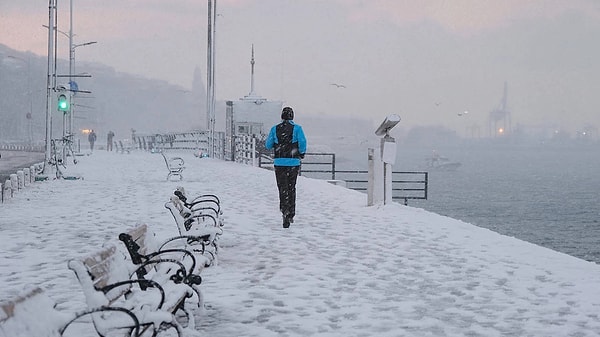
[
  {"x": 108, "y": 280},
  {"x": 201, "y": 206},
  {"x": 33, "y": 313},
  {"x": 174, "y": 165},
  {"x": 198, "y": 225},
  {"x": 123, "y": 146},
  {"x": 147, "y": 253}
]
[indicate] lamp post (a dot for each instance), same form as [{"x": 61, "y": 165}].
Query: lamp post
[
  {"x": 210, "y": 73},
  {"x": 72, "y": 48}
]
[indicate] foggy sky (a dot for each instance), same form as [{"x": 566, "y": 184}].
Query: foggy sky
[{"x": 426, "y": 60}]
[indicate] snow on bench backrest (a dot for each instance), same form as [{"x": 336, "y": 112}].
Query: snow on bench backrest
[
  {"x": 175, "y": 206},
  {"x": 100, "y": 269},
  {"x": 31, "y": 314}
]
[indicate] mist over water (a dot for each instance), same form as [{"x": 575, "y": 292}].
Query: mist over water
[{"x": 546, "y": 195}]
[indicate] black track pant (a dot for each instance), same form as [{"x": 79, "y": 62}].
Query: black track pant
[{"x": 286, "y": 183}]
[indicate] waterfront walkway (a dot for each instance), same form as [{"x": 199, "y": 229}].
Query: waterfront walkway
[{"x": 342, "y": 269}]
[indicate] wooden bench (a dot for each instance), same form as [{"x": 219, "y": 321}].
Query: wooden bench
[
  {"x": 108, "y": 280},
  {"x": 33, "y": 313},
  {"x": 175, "y": 165}
]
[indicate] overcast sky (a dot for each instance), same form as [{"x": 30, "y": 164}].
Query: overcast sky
[{"x": 426, "y": 60}]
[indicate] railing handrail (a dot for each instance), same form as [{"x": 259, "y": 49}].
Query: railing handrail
[{"x": 422, "y": 184}]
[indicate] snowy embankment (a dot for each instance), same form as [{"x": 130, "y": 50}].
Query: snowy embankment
[{"x": 342, "y": 269}]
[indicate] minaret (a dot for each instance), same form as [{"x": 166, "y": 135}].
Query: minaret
[
  {"x": 252, "y": 96},
  {"x": 252, "y": 74}
]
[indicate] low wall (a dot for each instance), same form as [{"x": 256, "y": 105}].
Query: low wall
[{"x": 18, "y": 181}]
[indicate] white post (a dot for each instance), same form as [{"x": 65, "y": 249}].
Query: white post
[
  {"x": 375, "y": 191},
  {"x": 20, "y": 179},
  {"x": 27, "y": 176},
  {"x": 253, "y": 149},
  {"x": 14, "y": 184},
  {"x": 383, "y": 161},
  {"x": 388, "y": 158}
]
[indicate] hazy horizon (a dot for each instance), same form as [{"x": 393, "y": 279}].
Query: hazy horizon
[{"x": 428, "y": 61}]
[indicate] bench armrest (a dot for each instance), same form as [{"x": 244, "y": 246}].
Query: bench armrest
[
  {"x": 183, "y": 271},
  {"x": 189, "y": 239},
  {"x": 195, "y": 218},
  {"x": 134, "y": 327},
  {"x": 144, "y": 284}
]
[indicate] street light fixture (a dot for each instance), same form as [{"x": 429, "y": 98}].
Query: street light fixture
[
  {"x": 73, "y": 87},
  {"x": 60, "y": 31}
]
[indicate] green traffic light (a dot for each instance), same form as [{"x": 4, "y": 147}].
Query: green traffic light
[{"x": 63, "y": 103}]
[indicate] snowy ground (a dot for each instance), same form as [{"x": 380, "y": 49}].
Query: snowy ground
[{"x": 342, "y": 269}]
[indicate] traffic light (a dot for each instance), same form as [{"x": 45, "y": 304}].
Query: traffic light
[{"x": 63, "y": 103}]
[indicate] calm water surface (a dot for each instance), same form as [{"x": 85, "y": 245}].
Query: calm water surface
[{"x": 545, "y": 195}]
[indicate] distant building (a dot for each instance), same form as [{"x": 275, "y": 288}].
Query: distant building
[{"x": 251, "y": 114}]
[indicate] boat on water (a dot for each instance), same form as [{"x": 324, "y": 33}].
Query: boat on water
[{"x": 441, "y": 163}]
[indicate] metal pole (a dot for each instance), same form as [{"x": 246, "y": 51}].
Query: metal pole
[
  {"x": 210, "y": 60},
  {"x": 71, "y": 61},
  {"x": 213, "y": 98},
  {"x": 209, "y": 75},
  {"x": 49, "y": 84}
]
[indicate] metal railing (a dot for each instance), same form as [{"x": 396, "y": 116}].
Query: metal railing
[
  {"x": 405, "y": 185},
  {"x": 195, "y": 141}
]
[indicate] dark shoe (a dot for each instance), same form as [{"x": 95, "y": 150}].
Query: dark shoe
[
  {"x": 290, "y": 219},
  {"x": 286, "y": 223}
]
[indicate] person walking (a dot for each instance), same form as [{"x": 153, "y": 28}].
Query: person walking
[
  {"x": 92, "y": 139},
  {"x": 288, "y": 141},
  {"x": 109, "y": 140}
]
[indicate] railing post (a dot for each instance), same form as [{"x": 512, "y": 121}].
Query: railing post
[
  {"x": 14, "y": 184},
  {"x": 333, "y": 166},
  {"x": 253, "y": 151}
]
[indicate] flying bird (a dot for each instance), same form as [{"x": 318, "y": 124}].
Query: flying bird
[{"x": 338, "y": 85}]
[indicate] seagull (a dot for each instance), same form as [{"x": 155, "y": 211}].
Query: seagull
[
  {"x": 338, "y": 85},
  {"x": 463, "y": 113}
]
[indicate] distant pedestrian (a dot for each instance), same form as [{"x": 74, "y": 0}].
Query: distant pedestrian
[
  {"x": 92, "y": 139},
  {"x": 289, "y": 144},
  {"x": 109, "y": 141}
]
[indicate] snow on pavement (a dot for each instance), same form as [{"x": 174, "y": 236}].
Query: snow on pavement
[{"x": 342, "y": 269}]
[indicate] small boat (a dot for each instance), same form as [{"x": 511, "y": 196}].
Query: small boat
[{"x": 440, "y": 163}]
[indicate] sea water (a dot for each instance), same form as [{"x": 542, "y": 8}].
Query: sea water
[{"x": 544, "y": 194}]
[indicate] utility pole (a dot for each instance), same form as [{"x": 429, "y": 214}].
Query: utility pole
[
  {"x": 51, "y": 80},
  {"x": 210, "y": 61},
  {"x": 71, "y": 60}
]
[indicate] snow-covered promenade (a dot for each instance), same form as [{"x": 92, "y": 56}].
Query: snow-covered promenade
[{"x": 342, "y": 269}]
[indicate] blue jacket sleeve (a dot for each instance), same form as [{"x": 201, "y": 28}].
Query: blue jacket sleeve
[
  {"x": 270, "y": 142},
  {"x": 301, "y": 139}
]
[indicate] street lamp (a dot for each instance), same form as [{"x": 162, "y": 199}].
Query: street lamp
[{"x": 72, "y": 48}]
